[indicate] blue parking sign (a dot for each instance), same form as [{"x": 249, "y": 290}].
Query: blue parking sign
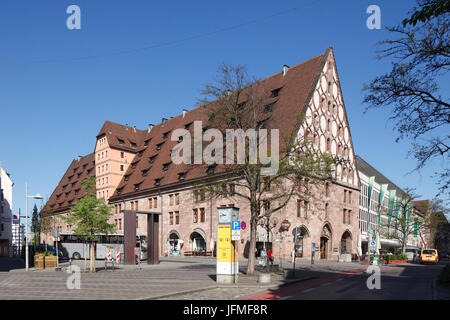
[{"x": 235, "y": 225}]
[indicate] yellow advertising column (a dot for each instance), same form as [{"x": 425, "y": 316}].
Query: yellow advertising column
[{"x": 224, "y": 254}]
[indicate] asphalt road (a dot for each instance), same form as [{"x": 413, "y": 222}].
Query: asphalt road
[{"x": 411, "y": 281}]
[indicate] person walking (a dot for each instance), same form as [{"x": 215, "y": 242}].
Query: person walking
[{"x": 270, "y": 257}]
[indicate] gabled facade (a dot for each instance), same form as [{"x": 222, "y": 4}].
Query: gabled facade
[{"x": 134, "y": 171}]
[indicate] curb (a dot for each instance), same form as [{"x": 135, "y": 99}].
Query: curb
[{"x": 178, "y": 293}]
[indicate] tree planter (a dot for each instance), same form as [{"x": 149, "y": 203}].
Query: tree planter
[
  {"x": 44, "y": 262},
  {"x": 396, "y": 261},
  {"x": 50, "y": 262},
  {"x": 39, "y": 262}
]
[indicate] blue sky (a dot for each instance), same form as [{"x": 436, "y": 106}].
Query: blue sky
[{"x": 53, "y": 103}]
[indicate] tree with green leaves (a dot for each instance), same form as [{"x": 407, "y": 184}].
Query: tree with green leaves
[
  {"x": 36, "y": 225},
  {"x": 234, "y": 102},
  {"x": 414, "y": 89},
  {"x": 90, "y": 217}
]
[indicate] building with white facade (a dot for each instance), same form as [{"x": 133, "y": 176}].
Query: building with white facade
[
  {"x": 6, "y": 185},
  {"x": 18, "y": 235},
  {"x": 383, "y": 200}
]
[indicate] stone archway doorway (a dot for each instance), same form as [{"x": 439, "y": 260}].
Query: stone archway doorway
[
  {"x": 346, "y": 242},
  {"x": 302, "y": 245},
  {"x": 198, "y": 242},
  {"x": 325, "y": 242}
]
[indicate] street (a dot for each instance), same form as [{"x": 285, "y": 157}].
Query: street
[{"x": 405, "y": 282}]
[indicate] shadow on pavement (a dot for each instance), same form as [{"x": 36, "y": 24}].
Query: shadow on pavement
[{"x": 7, "y": 264}]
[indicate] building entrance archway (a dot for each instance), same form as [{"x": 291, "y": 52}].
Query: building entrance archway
[
  {"x": 325, "y": 241},
  {"x": 346, "y": 242}
]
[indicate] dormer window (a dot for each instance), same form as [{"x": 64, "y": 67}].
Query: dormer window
[
  {"x": 137, "y": 186},
  {"x": 119, "y": 190},
  {"x": 146, "y": 142},
  {"x": 127, "y": 177},
  {"x": 269, "y": 107},
  {"x": 241, "y": 105},
  {"x": 275, "y": 93},
  {"x": 181, "y": 176},
  {"x": 166, "y": 166},
  {"x": 144, "y": 172},
  {"x": 140, "y": 153},
  {"x": 187, "y": 125},
  {"x": 121, "y": 141},
  {"x": 261, "y": 124},
  {"x": 133, "y": 165},
  {"x": 152, "y": 159},
  {"x": 77, "y": 191},
  {"x": 157, "y": 182},
  {"x": 211, "y": 169},
  {"x": 133, "y": 145},
  {"x": 64, "y": 186},
  {"x": 166, "y": 134},
  {"x": 158, "y": 146}
]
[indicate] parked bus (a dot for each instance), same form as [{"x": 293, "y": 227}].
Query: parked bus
[{"x": 72, "y": 246}]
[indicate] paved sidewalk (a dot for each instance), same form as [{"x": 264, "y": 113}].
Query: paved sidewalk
[{"x": 173, "y": 278}]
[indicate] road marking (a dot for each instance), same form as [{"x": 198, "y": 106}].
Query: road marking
[
  {"x": 308, "y": 290},
  {"x": 285, "y": 298}
]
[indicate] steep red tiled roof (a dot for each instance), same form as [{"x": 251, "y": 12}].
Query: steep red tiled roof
[
  {"x": 123, "y": 137},
  {"x": 297, "y": 87},
  {"x": 68, "y": 191},
  {"x": 422, "y": 205}
]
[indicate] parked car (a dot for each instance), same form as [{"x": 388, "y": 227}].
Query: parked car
[
  {"x": 412, "y": 254},
  {"x": 443, "y": 255},
  {"x": 429, "y": 255}
]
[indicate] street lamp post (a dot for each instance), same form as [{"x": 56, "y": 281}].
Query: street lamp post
[{"x": 37, "y": 196}]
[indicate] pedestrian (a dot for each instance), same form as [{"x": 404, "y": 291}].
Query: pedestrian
[{"x": 270, "y": 257}]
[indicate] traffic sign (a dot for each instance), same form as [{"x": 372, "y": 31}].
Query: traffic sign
[
  {"x": 243, "y": 225},
  {"x": 373, "y": 243},
  {"x": 235, "y": 235},
  {"x": 235, "y": 225},
  {"x": 55, "y": 233}
]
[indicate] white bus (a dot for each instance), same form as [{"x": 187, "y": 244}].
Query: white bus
[{"x": 72, "y": 246}]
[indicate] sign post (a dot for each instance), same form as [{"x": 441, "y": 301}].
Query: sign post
[
  {"x": 228, "y": 235},
  {"x": 56, "y": 235}
]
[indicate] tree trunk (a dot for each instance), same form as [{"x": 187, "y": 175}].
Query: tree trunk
[
  {"x": 251, "y": 252},
  {"x": 92, "y": 260},
  {"x": 85, "y": 251}
]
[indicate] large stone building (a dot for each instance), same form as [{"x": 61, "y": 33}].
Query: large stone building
[
  {"x": 134, "y": 171},
  {"x": 6, "y": 186}
]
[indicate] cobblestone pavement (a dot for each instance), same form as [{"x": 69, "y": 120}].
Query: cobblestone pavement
[{"x": 186, "y": 277}]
